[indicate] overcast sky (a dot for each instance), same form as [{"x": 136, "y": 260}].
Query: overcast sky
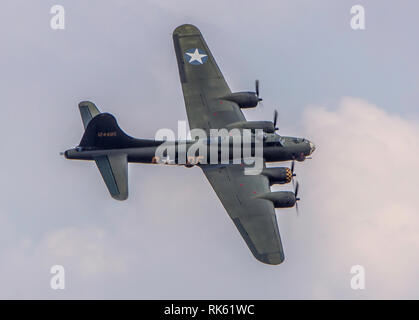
[{"x": 353, "y": 93}]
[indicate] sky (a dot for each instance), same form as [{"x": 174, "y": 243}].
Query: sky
[{"x": 353, "y": 93}]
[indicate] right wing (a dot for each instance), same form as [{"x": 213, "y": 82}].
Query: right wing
[
  {"x": 254, "y": 218},
  {"x": 202, "y": 82}
]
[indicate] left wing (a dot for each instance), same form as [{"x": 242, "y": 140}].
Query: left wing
[{"x": 254, "y": 218}]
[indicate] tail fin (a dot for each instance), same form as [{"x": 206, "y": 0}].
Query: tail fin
[
  {"x": 103, "y": 134},
  {"x": 102, "y": 131}
]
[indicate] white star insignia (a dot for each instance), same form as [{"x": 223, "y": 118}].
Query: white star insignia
[{"x": 196, "y": 56}]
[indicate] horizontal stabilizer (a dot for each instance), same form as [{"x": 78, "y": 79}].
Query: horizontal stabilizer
[
  {"x": 114, "y": 171},
  {"x": 88, "y": 111}
]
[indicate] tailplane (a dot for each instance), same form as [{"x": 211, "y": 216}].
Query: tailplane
[
  {"x": 114, "y": 171},
  {"x": 108, "y": 143},
  {"x": 102, "y": 132},
  {"x": 88, "y": 111}
]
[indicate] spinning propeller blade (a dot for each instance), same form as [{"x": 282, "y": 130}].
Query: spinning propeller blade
[
  {"x": 297, "y": 186},
  {"x": 292, "y": 171},
  {"x": 257, "y": 89},
  {"x": 275, "y": 119}
]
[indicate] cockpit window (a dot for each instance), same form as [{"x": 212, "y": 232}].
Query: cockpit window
[{"x": 298, "y": 140}]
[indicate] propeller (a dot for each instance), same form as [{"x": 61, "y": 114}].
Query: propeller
[
  {"x": 297, "y": 186},
  {"x": 275, "y": 119},
  {"x": 296, "y": 197},
  {"x": 257, "y": 90},
  {"x": 292, "y": 171}
]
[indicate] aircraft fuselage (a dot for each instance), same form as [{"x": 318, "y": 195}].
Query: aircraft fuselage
[{"x": 274, "y": 150}]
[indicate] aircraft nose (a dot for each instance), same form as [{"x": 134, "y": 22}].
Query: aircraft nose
[{"x": 312, "y": 147}]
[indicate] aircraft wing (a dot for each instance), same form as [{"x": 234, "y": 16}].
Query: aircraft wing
[
  {"x": 203, "y": 85},
  {"x": 254, "y": 218},
  {"x": 202, "y": 82}
]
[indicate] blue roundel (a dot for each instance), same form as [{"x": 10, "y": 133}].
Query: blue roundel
[{"x": 196, "y": 56}]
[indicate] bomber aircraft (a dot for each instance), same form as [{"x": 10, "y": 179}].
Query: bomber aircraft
[{"x": 210, "y": 104}]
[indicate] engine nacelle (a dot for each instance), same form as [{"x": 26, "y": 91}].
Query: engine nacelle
[
  {"x": 243, "y": 99},
  {"x": 278, "y": 175},
  {"x": 266, "y": 126},
  {"x": 280, "y": 199}
]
